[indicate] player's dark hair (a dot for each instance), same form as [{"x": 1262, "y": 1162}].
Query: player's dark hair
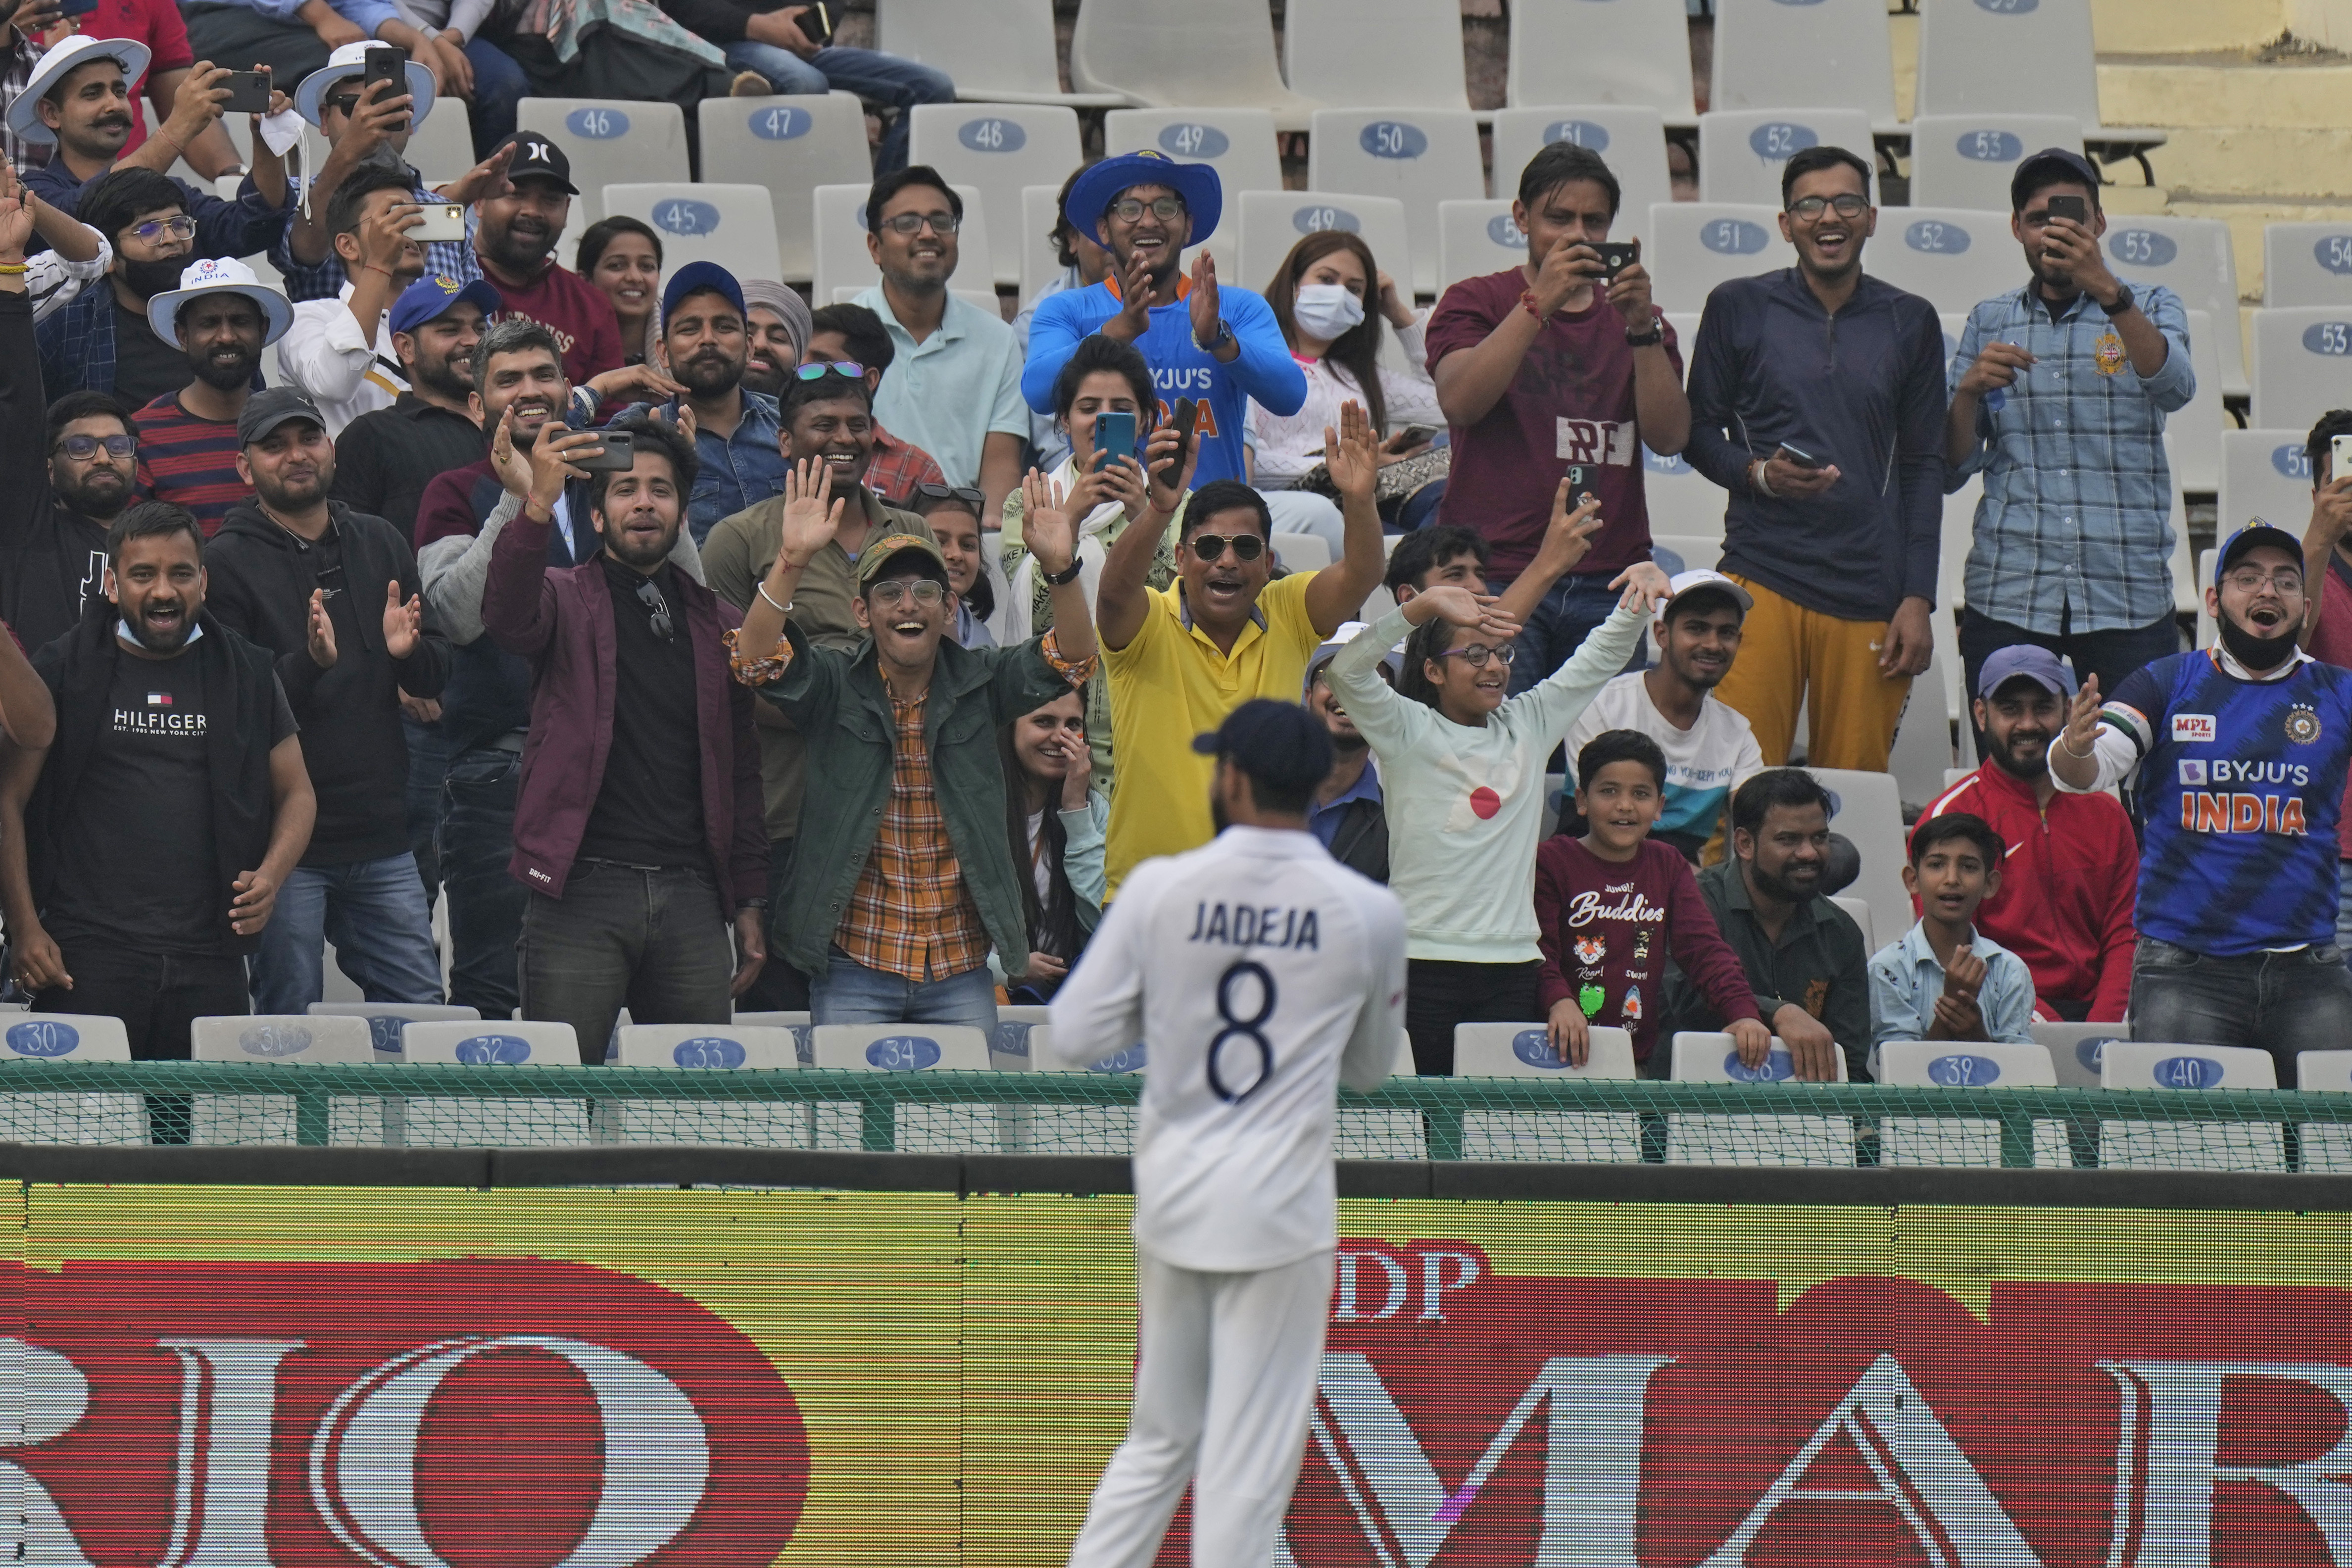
[
  {"x": 600, "y": 236},
  {"x": 1559, "y": 163},
  {"x": 1965, "y": 826},
  {"x": 1221, "y": 496},
  {"x": 1815, "y": 159},
  {"x": 1096, "y": 353},
  {"x": 1427, "y": 643},
  {"x": 151, "y": 520},
  {"x": 1774, "y": 787},
  {"x": 1424, "y": 550},
  {"x": 2041, "y": 176},
  {"x": 890, "y": 185},
  {"x": 115, "y": 200},
  {"x": 652, "y": 436},
  {"x": 2333, "y": 423},
  {"x": 515, "y": 334},
  {"x": 347, "y": 208},
  {"x": 1052, "y": 920},
  {"x": 862, "y": 332},
  {"x": 1620, "y": 746},
  {"x": 90, "y": 404}
]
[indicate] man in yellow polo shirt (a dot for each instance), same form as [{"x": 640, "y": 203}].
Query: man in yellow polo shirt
[{"x": 1181, "y": 658}]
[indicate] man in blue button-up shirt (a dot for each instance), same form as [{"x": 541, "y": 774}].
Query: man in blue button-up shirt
[
  {"x": 738, "y": 434},
  {"x": 2059, "y": 395}
]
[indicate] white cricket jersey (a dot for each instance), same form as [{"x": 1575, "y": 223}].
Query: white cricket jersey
[{"x": 1260, "y": 974}]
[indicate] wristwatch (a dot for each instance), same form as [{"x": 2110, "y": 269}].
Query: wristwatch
[
  {"x": 2124, "y": 301},
  {"x": 1650, "y": 339},
  {"x": 1067, "y": 574},
  {"x": 1224, "y": 335}
]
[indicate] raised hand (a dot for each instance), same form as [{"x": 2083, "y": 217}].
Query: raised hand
[
  {"x": 1079, "y": 776},
  {"x": 197, "y": 103},
  {"x": 1644, "y": 586},
  {"x": 809, "y": 525},
  {"x": 485, "y": 181},
  {"x": 1451, "y": 602},
  {"x": 552, "y": 466},
  {"x": 1046, "y": 524},
  {"x": 1350, "y": 454},
  {"x": 1568, "y": 538},
  {"x": 1203, "y": 300},
  {"x": 1965, "y": 976},
  {"x": 510, "y": 462},
  {"x": 1630, "y": 294},
  {"x": 2082, "y": 720},
  {"x": 1122, "y": 480},
  {"x": 383, "y": 238},
  {"x": 1134, "y": 318},
  {"x": 16, "y": 214},
  {"x": 402, "y": 623},
  {"x": 1169, "y": 476},
  {"x": 321, "y": 631}
]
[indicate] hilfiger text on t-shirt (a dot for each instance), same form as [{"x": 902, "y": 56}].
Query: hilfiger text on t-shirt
[{"x": 160, "y": 715}]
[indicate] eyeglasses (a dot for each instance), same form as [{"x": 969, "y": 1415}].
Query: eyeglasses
[
  {"x": 924, "y": 592},
  {"x": 650, "y": 597},
  {"x": 1845, "y": 206},
  {"x": 970, "y": 497},
  {"x": 180, "y": 227},
  {"x": 848, "y": 367},
  {"x": 82, "y": 448},
  {"x": 342, "y": 103},
  {"x": 1477, "y": 654},
  {"x": 1127, "y": 209},
  {"x": 912, "y": 223},
  {"x": 1209, "y": 546},
  {"x": 2252, "y": 579}
]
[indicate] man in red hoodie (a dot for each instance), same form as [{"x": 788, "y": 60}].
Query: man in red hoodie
[{"x": 2071, "y": 871}]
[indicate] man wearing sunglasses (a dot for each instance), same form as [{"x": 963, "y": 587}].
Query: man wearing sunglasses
[
  {"x": 851, "y": 335},
  {"x": 1830, "y": 386}
]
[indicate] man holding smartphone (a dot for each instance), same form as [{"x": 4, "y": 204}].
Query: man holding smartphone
[{"x": 2060, "y": 391}]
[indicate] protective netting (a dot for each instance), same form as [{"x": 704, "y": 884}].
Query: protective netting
[{"x": 938, "y": 1112}]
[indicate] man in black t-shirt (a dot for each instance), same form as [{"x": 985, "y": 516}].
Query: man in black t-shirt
[{"x": 142, "y": 851}]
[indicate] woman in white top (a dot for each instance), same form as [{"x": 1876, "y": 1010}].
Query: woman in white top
[{"x": 1056, "y": 826}]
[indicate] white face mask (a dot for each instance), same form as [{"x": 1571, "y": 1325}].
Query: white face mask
[{"x": 1326, "y": 311}]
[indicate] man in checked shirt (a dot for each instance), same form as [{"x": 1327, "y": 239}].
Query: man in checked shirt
[{"x": 2060, "y": 391}]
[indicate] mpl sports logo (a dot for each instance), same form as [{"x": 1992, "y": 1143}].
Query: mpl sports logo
[
  {"x": 428, "y": 1415},
  {"x": 1469, "y": 1419}
]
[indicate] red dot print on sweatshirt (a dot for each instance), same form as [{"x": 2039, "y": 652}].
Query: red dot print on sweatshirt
[{"x": 1485, "y": 802}]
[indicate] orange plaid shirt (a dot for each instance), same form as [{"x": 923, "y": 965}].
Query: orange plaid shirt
[{"x": 911, "y": 915}]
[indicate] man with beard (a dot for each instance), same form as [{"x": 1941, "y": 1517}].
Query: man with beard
[
  {"x": 852, "y": 334},
  {"x": 1218, "y": 345},
  {"x": 386, "y": 460},
  {"x": 2072, "y": 864},
  {"x": 515, "y": 234},
  {"x": 2239, "y": 754},
  {"x": 332, "y": 594},
  {"x": 737, "y": 432},
  {"x": 779, "y": 327},
  {"x": 53, "y": 544},
  {"x": 1710, "y": 751},
  {"x": 1804, "y": 956},
  {"x": 486, "y": 707},
  {"x": 222, "y": 316},
  {"x": 339, "y": 352},
  {"x": 638, "y": 831},
  {"x": 1832, "y": 384},
  {"x": 2059, "y": 396},
  {"x": 1347, "y": 813},
  {"x": 142, "y": 852}
]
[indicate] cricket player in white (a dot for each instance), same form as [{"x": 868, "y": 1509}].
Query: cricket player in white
[{"x": 1260, "y": 973}]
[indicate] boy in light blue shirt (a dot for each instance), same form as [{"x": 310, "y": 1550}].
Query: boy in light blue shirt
[{"x": 1946, "y": 980}]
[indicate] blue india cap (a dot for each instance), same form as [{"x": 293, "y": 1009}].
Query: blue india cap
[
  {"x": 435, "y": 295},
  {"x": 701, "y": 277},
  {"x": 2257, "y": 532}
]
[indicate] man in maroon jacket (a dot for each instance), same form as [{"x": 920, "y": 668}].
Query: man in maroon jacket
[{"x": 638, "y": 828}]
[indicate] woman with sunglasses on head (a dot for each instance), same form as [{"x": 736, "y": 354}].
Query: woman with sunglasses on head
[
  {"x": 623, "y": 256},
  {"x": 1055, "y": 819}
]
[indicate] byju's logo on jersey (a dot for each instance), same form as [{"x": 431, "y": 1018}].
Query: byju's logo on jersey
[
  {"x": 2194, "y": 727},
  {"x": 2302, "y": 725},
  {"x": 2192, "y": 770}
]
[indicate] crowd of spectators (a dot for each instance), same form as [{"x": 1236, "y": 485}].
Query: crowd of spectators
[{"x": 706, "y": 651}]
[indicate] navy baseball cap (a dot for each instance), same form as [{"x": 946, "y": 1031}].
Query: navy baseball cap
[
  {"x": 2257, "y": 532},
  {"x": 434, "y": 295},
  {"x": 1279, "y": 742},
  {"x": 701, "y": 277},
  {"x": 2042, "y": 166},
  {"x": 1204, "y": 193},
  {"x": 2036, "y": 664}
]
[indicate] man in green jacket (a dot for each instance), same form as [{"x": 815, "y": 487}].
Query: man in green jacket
[{"x": 904, "y": 877}]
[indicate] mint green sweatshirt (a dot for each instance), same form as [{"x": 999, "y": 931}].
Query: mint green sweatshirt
[{"x": 1465, "y": 806}]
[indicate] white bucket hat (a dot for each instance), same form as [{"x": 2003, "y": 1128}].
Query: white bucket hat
[
  {"x": 220, "y": 275},
  {"x": 23, "y": 111},
  {"x": 351, "y": 61}
]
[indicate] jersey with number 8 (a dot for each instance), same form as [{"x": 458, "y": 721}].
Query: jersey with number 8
[{"x": 1260, "y": 974}]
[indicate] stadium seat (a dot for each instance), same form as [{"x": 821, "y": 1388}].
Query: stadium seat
[
  {"x": 487, "y": 1121},
  {"x": 385, "y": 1019},
  {"x": 1301, "y": 552},
  {"x": 1954, "y": 256},
  {"x": 1274, "y": 221},
  {"x": 1070, "y": 1129},
  {"x": 2303, "y": 364},
  {"x": 1238, "y": 143},
  {"x": 1420, "y": 159},
  {"x": 1951, "y": 578},
  {"x": 2307, "y": 264},
  {"x": 1742, "y": 152},
  {"x": 770, "y": 1124},
  {"x": 2208, "y": 630},
  {"x": 2193, "y": 258},
  {"x": 734, "y": 226},
  {"x": 1629, "y": 137},
  {"x": 797, "y": 1022},
  {"x": 1009, "y": 59},
  {"x": 1207, "y": 52},
  {"x": 997, "y": 150},
  {"x": 2193, "y": 435},
  {"x": 1394, "y": 54},
  {"x": 2264, "y": 474},
  {"x": 912, "y": 1047},
  {"x": 790, "y": 144},
  {"x": 440, "y": 146},
  {"x": 1760, "y": 1140},
  {"x": 1694, "y": 246},
  {"x": 1525, "y": 1050},
  {"x": 841, "y": 261},
  {"x": 1684, "y": 505},
  {"x": 285, "y": 1039},
  {"x": 2189, "y": 1146},
  {"x": 2076, "y": 1049},
  {"x": 2186, "y": 599},
  {"x": 2326, "y": 1145},
  {"x": 1967, "y": 160},
  {"x": 1963, "y": 1140},
  {"x": 1922, "y": 749},
  {"x": 63, "y": 1116},
  {"x": 1600, "y": 51},
  {"x": 2004, "y": 59},
  {"x": 1008, "y": 1048},
  {"x": 1768, "y": 53},
  {"x": 1869, "y": 813},
  {"x": 611, "y": 142},
  {"x": 1041, "y": 263},
  {"x": 1859, "y": 909}
]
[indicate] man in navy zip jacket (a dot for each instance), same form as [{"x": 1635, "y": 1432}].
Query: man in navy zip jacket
[{"x": 1817, "y": 400}]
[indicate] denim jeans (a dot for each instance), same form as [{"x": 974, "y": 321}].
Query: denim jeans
[
  {"x": 878, "y": 77},
  {"x": 486, "y": 903},
  {"x": 849, "y": 993},
  {"x": 2283, "y": 1003},
  {"x": 654, "y": 942},
  {"x": 428, "y": 762},
  {"x": 156, "y": 996},
  {"x": 375, "y": 914},
  {"x": 1576, "y": 604},
  {"x": 499, "y": 85}
]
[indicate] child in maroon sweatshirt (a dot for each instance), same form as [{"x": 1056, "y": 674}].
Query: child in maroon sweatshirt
[{"x": 1612, "y": 907}]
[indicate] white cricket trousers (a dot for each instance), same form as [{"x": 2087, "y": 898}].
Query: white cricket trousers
[{"x": 1223, "y": 1394}]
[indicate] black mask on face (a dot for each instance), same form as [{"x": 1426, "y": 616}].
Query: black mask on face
[
  {"x": 148, "y": 278},
  {"x": 2259, "y": 653}
]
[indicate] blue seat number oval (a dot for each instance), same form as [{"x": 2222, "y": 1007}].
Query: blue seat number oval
[
  {"x": 1777, "y": 141},
  {"x": 494, "y": 1050},
  {"x": 1190, "y": 139},
  {"x": 1734, "y": 236},
  {"x": 992, "y": 135},
  {"x": 2333, "y": 338},
  {"x": 1583, "y": 133},
  {"x": 1963, "y": 1071},
  {"x": 597, "y": 124},
  {"x": 274, "y": 1040},
  {"x": 1533, "y": 1046},
  {"x": 2292, "y": 462},
  {"x": 1990, "y": 146},
  {"x": 707, "y": 1051},
  {"x": 2189, "y": 1072},
  {"x": 1392, "y": 139},
  {"x": 1501, "y": 231},
  {"x": 782, "y": 123},
  {"x": 686, "y": 217},
  {"x": 47, "y": 1038},
  {"x": 1132, "y": 1059},
  {"x": 2142, "y": 247},
  {"x": 1657, "y": 465},
  {"x": 2334, "y": 252},
  {"x": 1936, "y": 239},
  {"x": 1779, "y": 1066},
  {"x": 903, "y": 1053},
  {"x": 1316, "y": 219}
]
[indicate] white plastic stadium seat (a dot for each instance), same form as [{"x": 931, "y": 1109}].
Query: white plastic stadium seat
[
  {"x": 2001, "y": 57},
  {"x": 64, "y": 1117},
  {"x": 487, "y": 1122},
  {"x": 1629, "y": 137},
  {"x": 1008, "y": 1048},
  {"x": 1601, "y": 51},
  {"x": 1395, "y": 53},
  {"x": 996, "y": 148},
  {"x": 1768, "y": 53},
  {"x": 1953, "y": 257},
  {"x": 735, "y": 1046},
  {"x": 2307, "y": 264},
  {"x": 1009, "y": 58},
  {"x": 1075, "y": 1128},
  {"x": 1760, "y": 1140},
  {"x": 1041, "y": 262},
  {"x": 1274, "y": 221},
  {"x": 1741, "y": 153},
  {"x": 2265, "y": 474},
  {"x": 2193, "y": 258},
  {"x": 1525, "y": 1050},
  {"x": 1420, "y": 157},
  {"x": 385, "y": 1019},
  {"x": 1683, "y": 504},
  {"x": 1869, "y": 813},
  {"x": 797, "y": 1022},
  {"x": 1474, "y": 238},
  {"x": 1967, "y": 160},
  {"x": 2193, "y": 435},
  {"x": 2207, "y": 631},
  {"x": 288, "y": 1039},
  {"x": 2076, "y": 1049},
  {"x": 1693, "y": 246},
  {"x": 837, "y": 225},
  {"x": 1302, "y": 551},
  {"x": 2326, "y": 1145},
  {"x": 1963, "y": 1140},
  {"x": 1863, "y": 917},
  {"x": 611, "y": 142},
  {"x": 2189, "y": 1146},
  {"x": 1210, "y": 51},
  {"x": 2186, "y": 599},
  {"x": 792, "y": 144},
  {"x": 440, "y": 146},
  {"x": 734, "y": 226},
  {"x": 1951, "y": 590},
  {"x": 2303, "y": 364},
  {"x": 910, "y": 1047}
]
